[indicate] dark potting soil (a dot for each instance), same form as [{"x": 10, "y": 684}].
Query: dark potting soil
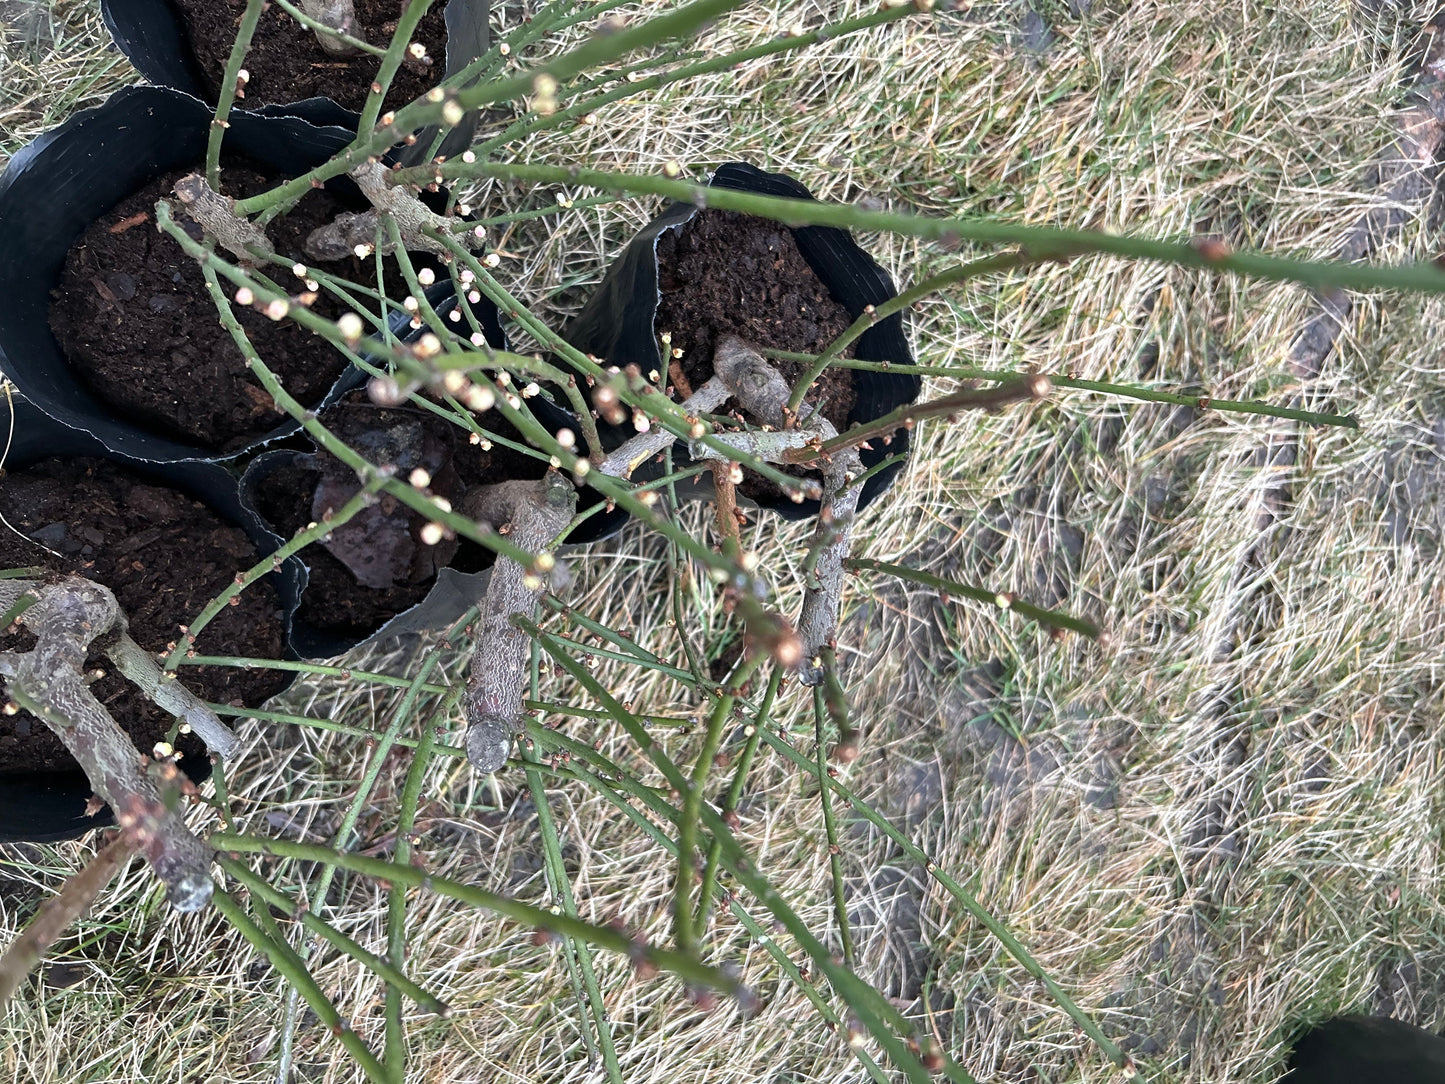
[
  {"x": 165, "y": 556},
  {"x": 133, "y": 316},
  {"x": 728, "y": 273},
  {"x": 376, "y": 566},
  {"x": 286, "y": 64}
]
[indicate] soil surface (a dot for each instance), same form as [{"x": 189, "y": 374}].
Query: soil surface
[
  {"x": 165, "y": 556},
  {"x": 132, "y": 314},
  {"x": 377, "y": 566},
  {"x": 728, "y": 273},
  {"x": 286, "y": 64}
]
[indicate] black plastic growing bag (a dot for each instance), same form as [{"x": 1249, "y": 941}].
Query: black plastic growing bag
[
  {"x": 455, "y": 588},
  {"x": 152, "y": 33},
  {"x": 55, "y": 187},
  {"x": 617, "y": 324},
  {"x": 43, "y": 806}
]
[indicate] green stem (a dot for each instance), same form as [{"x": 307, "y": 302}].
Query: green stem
[
  {"x": 1124, "y": 391},
  {"x": 1053, "y": 619},
  {"x": 545, "y": 22},
  {"x": 23, "y": 603},
  {"x": 598, "y": 50},
  {"x": 561, "y": 887},
  {"x": 262, "y": 715},
  {"x": 394, "y": 1048},
  {"x": 657, "y": 406},
  {"x": 1040, "y": 242},
  {"x": 686, "y": 967},
  {"x": 262, "y": 568},
  {"x": 524, "y": 365},
  {"x": 830, "y": 828},
  {"x": 663, "y": 668},
  {"x": 867, "y": 1003},
  {"x": 326, "y": 329},
  {"x": 261, "y": 889},
  {"x": 575, "y": 769},
  {"x": 286, "y": 961},
  {"x": 1205, "y": 402},
  {"x": 370, "y": 473},
  {"x": 554, "y": 865},
  {"x": 679, "y": 576},
  {"x": 533, "y": 123},
  {"x": 994, "y": 926},
  {"x": 683, "y": 921},
  {"x": 303, "y": 538},
  {"x": 1031, "y": 386},
  {"x": 249, "y": 18},
  {"x": 377, "y": 755},
  {"x": 484, "y": 280},
  {"x": 735, "y": 791},
  {"x": 315, "y": 26},
  {"x": 597, "y": 628},
  {"x": 835, "y": 701},
  {"x": 1001, "y": 262}
]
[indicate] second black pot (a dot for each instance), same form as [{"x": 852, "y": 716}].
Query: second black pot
[
  {"x": 48, "y": 805},
  {"x": 153, "y": 35},
  {"x": 63, "y": 181},
  {"x": 618, "y": 322}
]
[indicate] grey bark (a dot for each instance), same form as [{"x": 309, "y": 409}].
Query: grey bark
[
  {"x": 49, "y": 680},
  {"x": 216, "y": 214},
  {"x": 627, "y": 458},
  {"x": 532, "y": 514},
  {"x": 763, "y": 392},
  {"x": 339, "y": 238}
]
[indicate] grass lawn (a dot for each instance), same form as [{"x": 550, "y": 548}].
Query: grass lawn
[{"x": 1221, "y": 823}]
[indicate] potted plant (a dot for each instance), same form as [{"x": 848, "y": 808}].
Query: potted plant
[
  {"x": 165, "y": 539},
  {"x": 109, "y": 326},
  {"x": 186, "y": 44},
  {"x": 693, "y": 276},
  {"x": 388, "y": 570}
]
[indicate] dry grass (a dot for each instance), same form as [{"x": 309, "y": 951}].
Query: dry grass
[{"x": 1227, "y": 824}]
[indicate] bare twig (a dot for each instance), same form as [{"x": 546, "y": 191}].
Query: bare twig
[
  {"x": 217, "y": 215},
  {"x": 1030, "y": 387},
  {"x": 532, "y": 514},
  {"x": 139, "y": 666},
  {"x": 49, "y": 682},
  {"x": 758, "y": 387},
  {"x": 727, "y": 504},
  {"x": 823, "y": 589},
  {"x": 769, "y": 445},
  {"x": 761, "y": 391}
]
